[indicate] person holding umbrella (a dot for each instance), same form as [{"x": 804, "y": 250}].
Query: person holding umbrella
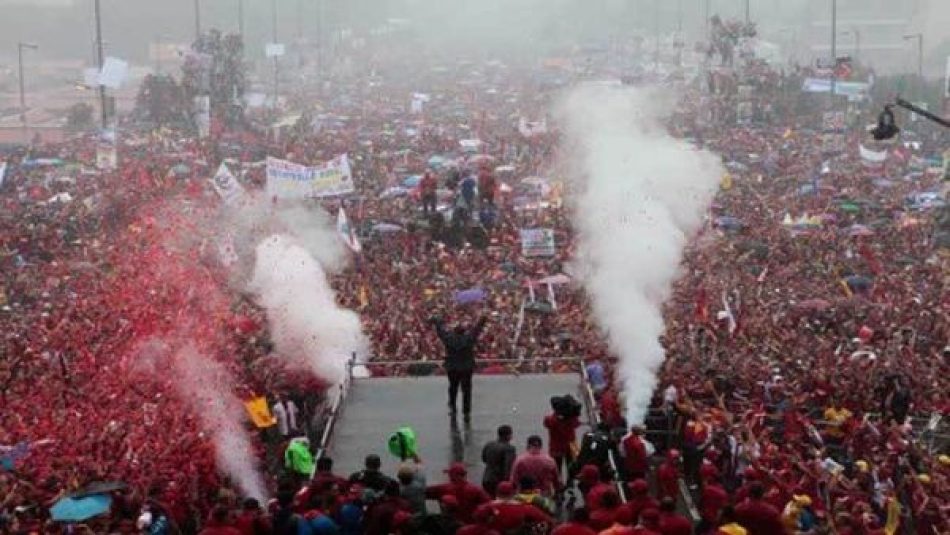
[{"x": 459, "y": 342}]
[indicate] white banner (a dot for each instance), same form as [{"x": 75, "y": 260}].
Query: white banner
[
  {"x": 227, "y": 186},
  {"x": 872, "y": 157},
  {"x": 289, "y": 180},
  {"x": 532, "y": 128},
  {"x": 274, "y": 50},
  {"x": 3, "y": 172},
  {"x": 946, "y": 80},
  {"x": 346, "y": 232},
  {"x": 114, "y": 72},
  {"x": 537, "y": 242},
  {"x": 106, "y": 158},
  {"x": 203, "y": 115}
]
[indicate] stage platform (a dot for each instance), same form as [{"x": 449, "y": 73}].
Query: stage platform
[{"x": 376, "y": 407}]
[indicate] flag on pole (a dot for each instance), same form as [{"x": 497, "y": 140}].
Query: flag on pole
[
  {"x": 227, "y": 186},
  {"x": 346, "y": 232}
]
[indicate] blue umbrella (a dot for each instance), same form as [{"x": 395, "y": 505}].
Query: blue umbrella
[
  {"x": 858, "y": 283},
  {"x": 411, "y": 181},
  {"x": 472, "y": 295},
  {"x": 79, "y": 509},
  {"x": 729, "y": 222}
]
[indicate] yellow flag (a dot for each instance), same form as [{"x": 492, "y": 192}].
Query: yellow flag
[
  {"x": 259, "y": 412},
  {"x": 726, "y": 182},
  {"x": 364, "y": 298},
  {"x": 893, "y": 516}
]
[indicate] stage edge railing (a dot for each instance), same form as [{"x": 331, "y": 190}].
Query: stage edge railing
[{"x": 593, "y": 415}]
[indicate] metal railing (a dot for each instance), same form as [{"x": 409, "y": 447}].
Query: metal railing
[{"x": 593, "y": 415}]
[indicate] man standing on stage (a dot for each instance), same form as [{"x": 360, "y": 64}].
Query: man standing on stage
[{"x": 459, "y": 343}]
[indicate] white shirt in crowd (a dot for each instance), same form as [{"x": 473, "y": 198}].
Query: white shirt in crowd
[{"x": 285, "y": 412}]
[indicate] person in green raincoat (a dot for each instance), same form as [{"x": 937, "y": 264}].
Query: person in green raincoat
[
  {"x": 402, "y": 444},
  {"x": 298, "y": 458}
]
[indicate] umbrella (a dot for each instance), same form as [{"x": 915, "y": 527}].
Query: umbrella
[
  {"x": 79, "y": 509},
  {"x": 98, "y": 487},
  {"x": 560, "y": 278},
  {"x": 481, "y": 158},
  {"x": 411, "y": 181},
  {"x": 814, "y": 304},
  {"x": 395, "y": 191},
  {"x": 849, "y": 207},
  {"x": 858, "y": 283},
  {"x": 728, "y": 222},
  {"x": 859, "y": 230},
  {"x": 384, "y": 228},
  {"x": 472, "y": 295},
  {"x": 436, "y": 162}
]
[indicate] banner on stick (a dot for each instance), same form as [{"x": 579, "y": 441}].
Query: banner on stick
[
  {"x": 289, "y": 180},
  {"x": 227, "y": 186},
  {"x": 537, "y": 242}
]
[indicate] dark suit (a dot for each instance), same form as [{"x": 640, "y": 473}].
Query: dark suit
[{"x": 460, "y": 361}]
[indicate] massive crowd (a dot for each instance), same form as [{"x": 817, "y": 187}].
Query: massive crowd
[{"x": 807, "y": 333}]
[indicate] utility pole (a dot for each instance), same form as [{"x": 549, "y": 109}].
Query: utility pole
[
  {"x": 197, "y": 20},
  {"x": 276, "y": 56},
  {"x": 100, "y": 59},
  {"x": 748, "y": 12},
  {"x": 920, "y": 53},
  {"x": 19, "y": 51},
  {"x": 834, "y": 53},
  {"x": 240, "y": 10}
]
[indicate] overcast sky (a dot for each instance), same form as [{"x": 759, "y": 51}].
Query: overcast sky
[{"x": 64, "y": 28}]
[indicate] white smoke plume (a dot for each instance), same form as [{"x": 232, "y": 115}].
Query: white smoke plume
[
  {"x": 206, "y": 385},
  {"x": 306, "y": 323},
  {"x": 643, "y": 195}
]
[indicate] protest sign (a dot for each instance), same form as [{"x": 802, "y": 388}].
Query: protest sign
[
  {"x": 274, "y": 50},
  {"x": 532, "y": 128},
  {"x": 346, "y": 232},
  {"x": 537, "y": 242},
  {"x": 114, "y": 72},
  {"x": 227, "y": 186},
  {"x": 289, "y": 180},
  {"x": 106, "y": 157},
  {"x": 259, "y": 412},
  {"x": 872, "y": 158}
]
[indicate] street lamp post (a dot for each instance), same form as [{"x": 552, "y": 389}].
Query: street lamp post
[
  {"x": 197, "y": 20},
  {"x": 19, "y": 51},
  {"x": 748, "y": 12},
  {"x": 920, "y": 52},
  {"x": 834, "y": 52},
  {"x": 100, "y": 59},
  {"x": 276, "y": 57},
  {"x": 240, "y": 10}
]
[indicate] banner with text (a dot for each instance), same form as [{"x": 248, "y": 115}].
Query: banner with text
[
  {"x": 289, "y": 180},
  {"x": 537, "y": 242}
]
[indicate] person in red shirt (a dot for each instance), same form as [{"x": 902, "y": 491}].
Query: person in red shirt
[
  {"x": 562, "y": 436},
  {"x": 506, "y": 514},
  {"x": 712, "y": 499},
  {"x": 649, "y": 523},
  {"x": 635, "y": 457},
  {"x": 593, "y": 486},
  {"x": 486, "y": 186},
  {"x": 578, "y": 525},
  {"x": 469, "y": 496},
  {"x": 671, "y": 522},
  {"x": 538, "y": 466},
  {"x": 252, "y": 520},
  {"x": 219, "y": 524},
  {"x": 640, "y": 499},
  {"x": 668, "y": 474},
  {"x": 606, "y": 515},
  {"x": 428, "y": 188},
  {"x": 758, "y": 516}
]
